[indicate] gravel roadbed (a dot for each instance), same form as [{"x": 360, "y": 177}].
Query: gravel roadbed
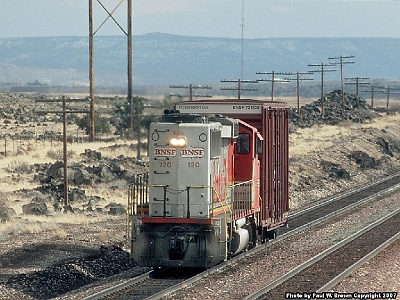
[
  {"x": 252, "y": 273},
  {"x": 380, "y": 274}
]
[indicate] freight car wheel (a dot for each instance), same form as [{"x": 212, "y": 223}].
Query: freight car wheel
[{"x": 271, "y": 234}]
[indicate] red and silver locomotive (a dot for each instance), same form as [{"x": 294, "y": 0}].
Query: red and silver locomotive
[{"x": 218, "y": 177}]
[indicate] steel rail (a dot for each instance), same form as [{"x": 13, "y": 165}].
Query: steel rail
[
  {"x": 293, "y": 232},
  {"x": 335, "y": 281},
  {"x": 261, "y": 247},
  {"x": 111, "y": 290},
  {"x": 318, "y": 257},
  {"x": 342, "y": 195}
]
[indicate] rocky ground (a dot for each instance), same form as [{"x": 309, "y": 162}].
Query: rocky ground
[{"x": 40, "y": 242}]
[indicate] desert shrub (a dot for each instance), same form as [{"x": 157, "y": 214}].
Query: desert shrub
[
  {"x": 53, "y": 154},
  {"x": 101, "y": 124},
  {"x": 59, "y": 154},
  {"x": 5, "y": 211}
]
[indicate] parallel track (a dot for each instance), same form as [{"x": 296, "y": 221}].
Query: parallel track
[
  {"x": 341, "y": 202},
  {"x": 298, "y": 222},
  {"x": 315, "y": 274}
]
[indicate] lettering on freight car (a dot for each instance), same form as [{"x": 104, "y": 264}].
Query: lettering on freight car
[
  {"x": 164, "y": 152},
  {"x": 192, "y": 152},
  {"x": 246, "y": 107},
  {"x": 180, "y": 107}
]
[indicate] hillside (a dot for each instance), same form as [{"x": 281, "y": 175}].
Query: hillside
[{"x": 162, "y": 59}]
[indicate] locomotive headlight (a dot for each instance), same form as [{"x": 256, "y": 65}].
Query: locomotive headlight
[{"x": 178, "y": 141}]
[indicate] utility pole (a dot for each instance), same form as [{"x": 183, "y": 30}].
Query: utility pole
[
  {"x": 64, "y": 112},
  {"x": 191, "y": 88},
  {"x": 372, "y": 91},
  {"x": 372, "y": 94},
  {"x": 242, "y": 41},
  {"x": 298, "y": 79},
  {"x": 240, "y": 86},
  {"x": 322, "y": 70},
  {"x": 274, "y": 80},
  {"x": 91, "y": 72},
  {"x": 357, "y": 82},
  {"x": 388, "y": 90},
  {"x": 91, "y": 58},
  {"x": 341, "y": 62}
]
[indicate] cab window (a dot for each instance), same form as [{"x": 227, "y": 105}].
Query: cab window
[{"x": 243, "y": 143}]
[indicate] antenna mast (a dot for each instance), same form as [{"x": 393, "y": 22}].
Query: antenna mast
[{"x": 242, "y": 25}]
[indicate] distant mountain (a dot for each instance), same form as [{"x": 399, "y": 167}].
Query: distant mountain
[{"x": 163, "y": 59}]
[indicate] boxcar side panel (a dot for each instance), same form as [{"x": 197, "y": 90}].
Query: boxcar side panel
[{"x": 275, "y": 167}]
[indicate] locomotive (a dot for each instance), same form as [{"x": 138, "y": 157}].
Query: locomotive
[{"x": 217, "y": 183}]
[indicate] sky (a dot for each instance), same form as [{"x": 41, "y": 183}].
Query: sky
[{"x": 206, "y": 18}]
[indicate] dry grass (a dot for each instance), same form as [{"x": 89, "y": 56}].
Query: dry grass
[
  {"x": 317, "y": 138},
  {"x": 40, "y": 153},
  {"x": 52, "y": 223}
]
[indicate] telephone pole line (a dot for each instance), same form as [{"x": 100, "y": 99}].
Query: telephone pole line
[
  {"x": 240, "y": 86},
  {"x": 372, "y": 91},
  {"x": 64, "y": 112},
  {"x": 274, "y": 80},
  {"x": 322, "y": 70},
  {"x": 388, "y": 91},
  {"x": 298, "y": 79},
  {"x": 357, "y": 82},
  {"x": 191, "y": 88},
  {"x": 341, "y": 62}
]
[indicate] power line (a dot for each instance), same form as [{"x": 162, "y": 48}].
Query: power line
[
  {"x": 274, "y": 80},
  {"x": 341, "y": 62},
  {"x": 191, "y": 88},
  {"x": 298, "y": 79},
  {"x": 322, "y": 70},
  {"x": 64, "y": 113},
  {"x": 388, "y": 91},
  {"x": 357, "y": 82},
  {"x": 372, "y": 91},
  {"x": 240, "y": 86}
]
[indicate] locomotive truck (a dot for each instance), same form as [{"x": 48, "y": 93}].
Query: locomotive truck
[{"x": 217, "y": 183}]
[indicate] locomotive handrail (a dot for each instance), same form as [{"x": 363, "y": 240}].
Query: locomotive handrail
[{"x": 248, "y": 183}]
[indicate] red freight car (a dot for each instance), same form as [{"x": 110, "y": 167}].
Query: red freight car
[{"x": 218, "y": 171}]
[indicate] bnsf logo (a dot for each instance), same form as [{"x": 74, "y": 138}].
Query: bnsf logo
[
  {"x": 164, "y": 152},
  {"x": 192, "y": 152}
]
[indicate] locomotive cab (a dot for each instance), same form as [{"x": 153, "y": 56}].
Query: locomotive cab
[{"x": 190, "y": 166}]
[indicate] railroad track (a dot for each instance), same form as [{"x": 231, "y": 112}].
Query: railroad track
[
  {"x": 297, "y": 223},
  {"x": 338, "y": 204},
  {"x": 147, "y": 285},
  {"x": 325, "y": 270}
]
